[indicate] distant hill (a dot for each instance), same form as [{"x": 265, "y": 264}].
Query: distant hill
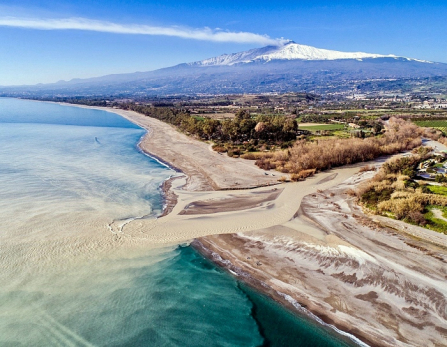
[{"x": 284, "y": 68}]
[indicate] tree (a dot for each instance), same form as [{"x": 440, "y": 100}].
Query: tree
[
  {"x": 229, "y": 129},
  {"x": 290, "y": 125},
  {"x": 242, "y": 114}
]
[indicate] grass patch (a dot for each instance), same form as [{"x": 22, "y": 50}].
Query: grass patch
[
  {"x": 434, "y": 223},
  {"x": 341, "y": 134},
  {"x": 440, "y": 190},
  {"x": 321, "y": 127}
]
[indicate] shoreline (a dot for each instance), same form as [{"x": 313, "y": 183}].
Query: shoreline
[
  {"x": 283, "y": 299},
  {"x": 199, "y": 184}
]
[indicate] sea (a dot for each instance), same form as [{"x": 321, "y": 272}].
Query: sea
[{"x": 68, "y": 279}]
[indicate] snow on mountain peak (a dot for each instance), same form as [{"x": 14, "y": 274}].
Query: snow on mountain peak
[{"x": 287, "y": 51}]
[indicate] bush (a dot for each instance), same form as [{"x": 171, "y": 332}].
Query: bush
[
  {"x": 302, "y": 175},
  {"x": 399, "y": 165},
  {"x": 234, "y": 152},
  {"x": 367, "y": 168},
  {"x": 373, "y": 197},
  {"x": 219, "y": 149},
  {"x": 283, "y": 179},
  {"x": 254, "y": 155},
  {"x": 401, "y": 207},
  {"x": 265, "y": 164},
  {"x": 417, "y": 218}
]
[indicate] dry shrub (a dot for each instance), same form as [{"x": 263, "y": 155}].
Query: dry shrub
[
  {"x": 254, "y": 155},
  {"x": 399, "y": 165},
  {"x": 302, "y": 175},
  {"x": 401, "y": 207},
  {"x": 322, "y": 155},
  {"x": 422, "y": 198},
  {"x": 380, "y": 176},
  {"x": 283, "y": 179},
  {"x": 433, "y": 134},
  {"x": 422, "y": 151},
  {"x": 443, "y": 140},
  {"x": 265, "y": 164},
  {"x": 367, "y": 168},
  {"x": 417, "y": 218},
  {"x": 233, "y": 152},
  {"x": 362, "y": 189},
  {"x": 399, "y": 183},
  {"x": 219, "y": 149}
]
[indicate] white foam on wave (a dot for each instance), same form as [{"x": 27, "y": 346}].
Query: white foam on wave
[{"x": 301, "y": 309}]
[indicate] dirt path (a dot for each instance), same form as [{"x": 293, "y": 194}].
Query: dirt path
[{"x": 438, "y": 214}]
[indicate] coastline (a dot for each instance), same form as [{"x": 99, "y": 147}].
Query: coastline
[
  {"x": 375, "y": 283},
  {"x": 209, "y": 250},
  {"x": 205, "y": 169},
  {"x": 200, "y": 183}
]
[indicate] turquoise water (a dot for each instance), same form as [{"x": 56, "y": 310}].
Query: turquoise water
[{"x": 67, "y": 280}]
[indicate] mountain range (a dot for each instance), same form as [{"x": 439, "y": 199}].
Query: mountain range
[{"x": 284, "y": 68}]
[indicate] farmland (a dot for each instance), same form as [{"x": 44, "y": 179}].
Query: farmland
[
  {"x": 437, "y": 124},
  {"x": 322, "y": 127}
]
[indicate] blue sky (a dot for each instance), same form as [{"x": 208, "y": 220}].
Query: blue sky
[{"x": 172, "y": 32}]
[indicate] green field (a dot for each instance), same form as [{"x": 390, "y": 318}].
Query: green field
[
  {"x": 437, "y": 124},
  {"x": 321, "y": 127},
  {"x": 438, "y": 190}
]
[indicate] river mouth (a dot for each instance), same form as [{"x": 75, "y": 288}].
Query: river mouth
[{"x": 66, "y": 174}]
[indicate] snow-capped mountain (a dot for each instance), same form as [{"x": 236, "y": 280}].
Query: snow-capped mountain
[
  {"x": 288, "y": 51},
  {"x": 286, "y": 68}
]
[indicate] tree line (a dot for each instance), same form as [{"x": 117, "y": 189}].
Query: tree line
[{"x": 243, "y": 127}]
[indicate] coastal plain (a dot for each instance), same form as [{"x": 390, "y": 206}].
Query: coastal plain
[{"x": 306, "y": 244}]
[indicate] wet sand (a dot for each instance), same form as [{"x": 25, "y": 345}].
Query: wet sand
[{"x": 232, "y": 202}]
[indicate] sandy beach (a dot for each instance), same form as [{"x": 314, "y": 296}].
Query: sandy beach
[
  {"x": 306, "y": 244},
  {"x": 204, "y": 168}
]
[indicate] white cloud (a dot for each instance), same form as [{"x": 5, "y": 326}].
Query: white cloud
[{"x": 204, "y": 34}]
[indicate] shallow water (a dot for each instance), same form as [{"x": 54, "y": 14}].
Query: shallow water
[{"x": 67, "y": 280}]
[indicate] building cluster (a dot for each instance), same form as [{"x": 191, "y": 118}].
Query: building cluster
[{"x": 435, "y": 104}]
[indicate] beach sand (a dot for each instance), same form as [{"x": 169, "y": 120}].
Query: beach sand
[
  {"x": 205, "y": 169},
  {"x": 305, "y": 243}
]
